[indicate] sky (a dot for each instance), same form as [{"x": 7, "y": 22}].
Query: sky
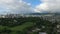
[
  {"x": 33, "y": 2},
  {"x": 29, "y": 6}
]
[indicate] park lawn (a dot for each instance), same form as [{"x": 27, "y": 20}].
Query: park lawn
[
  {"x": 2, "y": 27},
  {"x": 21, "y": 27}
]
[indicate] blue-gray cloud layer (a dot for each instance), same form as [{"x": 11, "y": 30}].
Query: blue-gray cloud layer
[
  {"x": 14, "y": 6},
  {"x": 51, "y": 6}
]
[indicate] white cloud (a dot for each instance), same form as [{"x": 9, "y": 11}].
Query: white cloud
[
  {"x": 15, "y": 6},
  {"x": 51, "y": 6}
]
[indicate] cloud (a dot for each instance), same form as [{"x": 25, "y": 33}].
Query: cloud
[
  {"x": 15, "y": 6},
  {"x": 51, "y": 6}
]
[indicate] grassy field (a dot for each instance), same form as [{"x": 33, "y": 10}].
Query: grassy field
[
  {"x": 23, "y": 26},
  {"x": 18, "y": 28}
]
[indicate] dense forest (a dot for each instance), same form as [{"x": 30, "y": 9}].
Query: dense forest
[{"x": 26, "y": 25}]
